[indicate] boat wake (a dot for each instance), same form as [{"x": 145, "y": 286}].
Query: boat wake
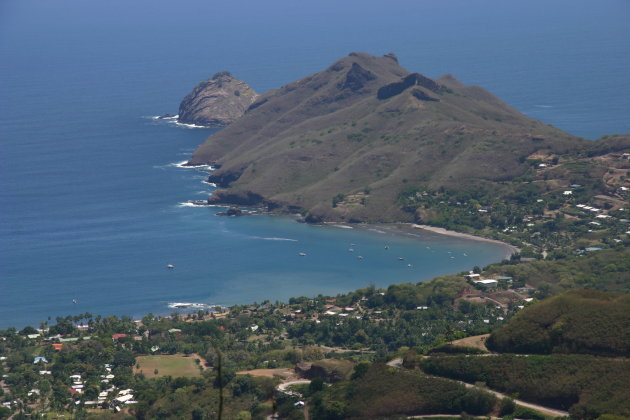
[{"x": 274, "y": 239}]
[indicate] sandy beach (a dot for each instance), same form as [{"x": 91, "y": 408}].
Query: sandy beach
[
  {"x": 513, "y": 249},
  {"x": 414, "y": 229}
]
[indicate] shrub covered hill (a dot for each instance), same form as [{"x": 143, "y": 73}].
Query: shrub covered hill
[
  {"x": 579, "y": 321},
  {"x": 361, "y": 139}
]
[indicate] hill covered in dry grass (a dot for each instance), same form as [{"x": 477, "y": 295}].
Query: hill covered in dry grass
[{"x": 349, "y": 142}]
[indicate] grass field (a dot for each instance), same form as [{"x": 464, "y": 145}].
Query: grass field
[
  {"x": 477, "y": 341},
  {"x": 167, "y": 365}
]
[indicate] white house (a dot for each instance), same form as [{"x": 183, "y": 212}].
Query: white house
[{"x": 487, "y": 283}]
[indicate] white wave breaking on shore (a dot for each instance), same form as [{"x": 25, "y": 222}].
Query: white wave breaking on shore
[
  {"x": 191, "y": 305},
  {"x": 190, "y": 204},
  {"x": 172, "y": 120},
  {"x": 184, "y": 165},
  {"x": 184, "y": 125},
  {"x": 342, "y": 226}
]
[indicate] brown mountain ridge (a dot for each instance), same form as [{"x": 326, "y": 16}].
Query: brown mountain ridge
[{"x": 344, "y": 143}]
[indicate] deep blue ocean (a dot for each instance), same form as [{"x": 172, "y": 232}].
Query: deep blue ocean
[{"x": 90, "y": 198}]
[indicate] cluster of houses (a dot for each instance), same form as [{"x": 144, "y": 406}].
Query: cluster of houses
[
  {"x": 117, "y": 397},
  {"x": 600, "y": 217},
  {"x": 492, "y": 284},
  {"x": 486, "y": 283},
  {"x": 331, "y": 309},
  {"x": 110, "y": 397}
]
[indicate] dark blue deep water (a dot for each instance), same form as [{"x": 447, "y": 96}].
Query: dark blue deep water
[{"x": 90, "y": 201}]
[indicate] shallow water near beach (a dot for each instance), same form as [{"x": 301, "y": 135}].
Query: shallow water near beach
[{"x": 92, "y": 203}]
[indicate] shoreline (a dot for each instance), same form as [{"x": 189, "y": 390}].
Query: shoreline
[
  {"x": 441, "y": 231},
  {"x": 406, "y": 227},
  {"x": 412, "y": 229}
]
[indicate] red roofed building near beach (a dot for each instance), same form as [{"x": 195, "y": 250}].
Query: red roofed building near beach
[{"x": 117, "y": 337}]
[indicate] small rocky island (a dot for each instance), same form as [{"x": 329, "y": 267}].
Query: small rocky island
[{"x": 216, "y": 102}]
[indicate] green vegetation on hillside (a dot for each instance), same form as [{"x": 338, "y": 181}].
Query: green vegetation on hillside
[
  {"x": 383, "y": 392},
  {"x": 605, "y": 270},
  {"x": 587, "y": 386},
  {"x": 578, "y": 321}
]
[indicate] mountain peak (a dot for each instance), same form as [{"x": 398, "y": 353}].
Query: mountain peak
[
  {"x": 365, "y": 129},
  {"x": 356, "y": 78}
]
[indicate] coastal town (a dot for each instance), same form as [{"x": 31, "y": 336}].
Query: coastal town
[{"x": 88, "y": 363}]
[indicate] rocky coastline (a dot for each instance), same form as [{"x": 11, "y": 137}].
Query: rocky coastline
[{"x": 216, "y": 102}]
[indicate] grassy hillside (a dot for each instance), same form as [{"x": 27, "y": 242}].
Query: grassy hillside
[
  {"x": 350, "y": 142},
  {"x": 580, "y": 321}
]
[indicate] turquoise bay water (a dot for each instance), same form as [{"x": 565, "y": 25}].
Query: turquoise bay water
[{"x": 89, "y": 198}]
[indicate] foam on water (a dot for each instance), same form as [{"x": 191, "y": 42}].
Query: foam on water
[
  {"x": 189, "y": 305},
  {"x": 191, "y": 204},
  {"x": 184, "y": 165},
  {"x": 377, "y": 231},
  {"x": 184, "y": 125},
  {"x": 173, "y": 121}
]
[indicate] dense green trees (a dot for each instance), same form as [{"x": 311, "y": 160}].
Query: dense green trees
[
  {"x": 607, "y": 270},
  {"x": 587, "y": 386},
  {"x": 381, "y": 392},
  {"x": 580, "y": 321}
]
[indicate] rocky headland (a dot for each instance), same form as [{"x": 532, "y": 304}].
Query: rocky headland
[
  {"x": 365, "y": 140},
  {"x": 216, "y": 102}
]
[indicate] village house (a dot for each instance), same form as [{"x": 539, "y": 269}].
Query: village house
[{"x": 487, "y": 283}]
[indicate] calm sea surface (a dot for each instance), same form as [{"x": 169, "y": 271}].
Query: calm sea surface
[{"x": 90, "y": 198}]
